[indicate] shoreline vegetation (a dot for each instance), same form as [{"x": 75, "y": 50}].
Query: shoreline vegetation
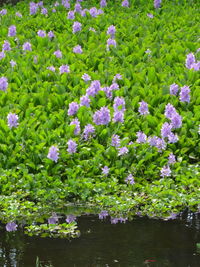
[{"x": 100, "y": 106}]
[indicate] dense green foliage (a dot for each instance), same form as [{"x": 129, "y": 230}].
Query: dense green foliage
[{"x": 30, "y": 183}]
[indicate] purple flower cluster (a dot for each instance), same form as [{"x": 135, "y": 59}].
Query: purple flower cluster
[
  {"x": 174, "y": 89},
  {"x": 77, "y": 27},
  {"x": 125, "y": 3},
  {"x": 141, "y": 137},
  {"x": 58, "y": 54},
  {"x": 86, "y": 77},
  {"x": 171, "y": 158},
  {"x": 111, "y": 31},
  {"x": 27, "y": 46},
  {"x": 85, "y": 101},
  {"x": 33, "y": 7},
  {"x": 129, "y": 179},
  {"x": 102, "y": 116},
  {"x": 77, "y": 129},
  {"x": 88, "y": 131},
  {"x": 157, "y": 3},
  {"x": 143, "y": 108},
  {"x": 157, "y": 142},
  {"x": 3, "y": 84},
  {"x": 103, "y": 3},
  {"x": 53, "y": 153},
  {"x": 191, "y": 63},
  {"x": 71, "y": 14},
  {"x": 122, "y": 151},
  {"x": 110, "y": 42},
  {"x": 78, "y": 49},
  {"x": 105, "y": 170},
  {"x": 115, "y": 140},
  {"x": 70, "y": 218},
  {"x": 94, "y": 88},
  {"x": 41, "y": 33},
  {"x": 11, "y": 227},
  {"x": 12, "y": 120},
  {"x": 73, "y": 108},
  {"x": 53, "y": 219},
  {"x": 72, "y": 146},
  {"x": 165, "y": 171},
  {"x": 171, "y": 113},
  {"x": 103, "y": 214},
  {"x": 2, "y": 55},
  {"x": 64, "y": 69},
  {"x": 12, "y": 31},
  {"x": 6, "y": 46},
  {"x": 185, "y": 94}
]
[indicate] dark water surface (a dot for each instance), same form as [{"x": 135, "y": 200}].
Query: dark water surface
[{"x": 141, "y": 242}]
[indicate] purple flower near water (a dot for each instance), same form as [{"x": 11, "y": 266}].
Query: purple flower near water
[
  {"x": 6, "y": 46},
  {"x": 151, "y": 16},
  {"x": 165, "y": 171},
  {"x": 129, "y": 179},
  {"x": 86, "y": 77},
  {"x": 3, "y": 84},
  {"x": 190, "y": 59},
  {"x": 118, "y": 116},
  {"x": 51, "y": 68},
  {"x": 41, "y": 33},
  {"x": 53, "y": 219},
  {"x": 85, "y": 101},
  {"x": 115, "y": 140},
  {"x": 77, "y": 8},
  {"x": 12, "y": 120},
  {"x": 18, "y": 14},
  {"x": 77, "y": 129},
  {"x": 172, "y": 138},
  {"x": 77, "y": 26},
  {"x": 117, "y": 77},
  {"x": 2, "y": 55},
  {"x": 77, "y": 49},
  {"x": 169, "y": 111},
  {"x": 94, "y": 88},
  {"x": 73, "y": 108},
  {"x": 53, "y": 153},
  {"x": 166, "y": 129},
  {"x": 122, "y": 151},
  {"x": 114, "y": 220},
  {"x": 171, "y": 158},
  {"x": 108, "y": 92},
  {"x": 161, "y": 144},
  {"x": 143, "y": 108},
  {"x": 13, "y": 63},
  {"x": 72, "y": 146},
  {"x": 33, "y": 7},
  {"x": 196, "y": 66},
  {"x": 103, "y": 3},
  {"x": 64, "y": 69},
  {"x": 111, "y": 31},
  {"x": 70, "y": 218},
  {"x": 51, "y": 34},
  {"x": 58, "y": 54},
  {"x": 11, "y": 227},
  {"x": 176, "y": 121},
  {"x": 174, "y": 89},
  {"x": 105, "y": 170},
  {"x": 114, "y": 86},
  {"x": 102, "y": 116},
  {"x": 27, "y": 46},
  {"x": 125, "y": 3},
  {"x": 44, "y": 11},
  {"x": 71, "y": 15},
  {"x": 12, "y": 31},
  {"x": 88, "y": 131},
  {"x": 185, "y": 94},
  {"x": 157, "y": 3},
  {"x": 103, "y": 214},
  {"x": 119, "y": 104},
  {"x": 111, "y": 42},
  {"x": 93, "y": 12},
  {"x": 141, "y": 137}
]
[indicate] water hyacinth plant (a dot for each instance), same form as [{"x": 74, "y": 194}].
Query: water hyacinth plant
[{"x": 99, "y": 103}]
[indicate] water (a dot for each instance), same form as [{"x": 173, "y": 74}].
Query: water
[{"x": 141, "y": 242}]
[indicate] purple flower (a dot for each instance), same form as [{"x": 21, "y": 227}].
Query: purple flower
[
  {"x": 64, "y": 69},
  {"x": 58, "y": 54},
  {"x": 44, "y": 11},
  {"x": 125, "y": 3},
  {"x": 166, "y": 129},
  {"x": 70, "y": 218},
  {"x": 129, "y": 179},
  {"x": 12, "y": 120},
  {"x": 157, "y": 3},
  {"x": 3, "y": 12},
  {"x": 105, "y": 170},
  {"x": 88, "y": 131},
  {"x": 3, "y": 84},
  {"x": 118, "y": 116},
  {"x": 12, "y": 31},
  {"x": 51, "y": 34},
  {"x": 71, "y": 15},
  {"x": 85, "y": 101},
  {"x": 115, "y": 140},
  {"x": 2, "y": 55},
  {"x": 122, "y": 151},
  {"x": 172, "y": 216},
  {"x": 41, "y": 33},
  {"x": 18, "y": 14},
  {"x": 117, "y": 77},
  {"x": 161, "y": 144},
  {"x": 77, "y": 8},
  {"x": 78, "y": 49},
  {"x": 119, "y": 104},
  {"x": 151, "y": 16},
  {"x": 111, "y": 31},
  {"x": 171, "y": 158},
  {"x": 143, "y": 108},
  {"x": 77, "y": 129},
  {"x": 141, "y": 137},
  {"x": 176, "y": 121},
  {"x": 172, "y": 138},
  {"x": 53, "y": 153},
  {"x": 196, "y": 66},
  {"x": 190, "y": 59},
  {"x": 6, "y": 46},
  {"x": 86, "y": 77},
  {"x": 93, "y": 12},
  {"x": 33, "y": 8},
  {"x": 11, "y": 226},
  {"x": 111, "y": 42},
  {"x": 185, "y": 94},
  {"x": 53, "y": 219},
  {"x": 114, "y": 86},
  {"x": 103, "y": 214},
  {"x": 102, "y": 116},
  {"x": 77, "y": 26},
  {"x": 27, "y": 47},
  {"x": 174, "y": 89},
  {"x": 92, "y": 29},
  {"x": 13, "y": 63},
  {"x": 103, "y": 3},
  {"x": 94, "y": 88},
  {"x": 169, "y": 111},
  {"x": 51, "y": 68},
  {"x": 165, "y": 171},
  {"x": 65, "y": 3},
  {"x": 114, "y": 220},
  {"x": 73, "y": 108},
  {"x": 108, "y": 92},
  {"x": 72, "y": 146}
]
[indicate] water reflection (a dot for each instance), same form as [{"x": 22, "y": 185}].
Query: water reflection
[{"x": 141, "y": 242}]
